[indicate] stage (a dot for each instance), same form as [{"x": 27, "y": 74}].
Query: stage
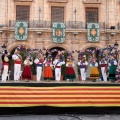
[{"x": 59, "y": 97}]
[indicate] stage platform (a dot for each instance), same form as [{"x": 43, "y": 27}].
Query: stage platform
[{"x": 59, "y": 97}]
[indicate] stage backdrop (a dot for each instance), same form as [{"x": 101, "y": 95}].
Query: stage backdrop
[
  {"x": 93, "y": 32},
  {"x": 58, "y": 32},
  {"x": 60, "y": 96},
  {"x": 21, "y": 30}
]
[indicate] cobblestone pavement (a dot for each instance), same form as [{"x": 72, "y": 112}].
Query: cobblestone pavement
[{"x": 60, "y": 117}]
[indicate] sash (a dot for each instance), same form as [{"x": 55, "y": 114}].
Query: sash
[
  {"x": 19, "y": 56},
  {"x": 57, "y": 63}
]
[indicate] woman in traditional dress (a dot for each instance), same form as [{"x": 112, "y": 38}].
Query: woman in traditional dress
[
  {"x": 48, "y": 69},
  {"x": 112, "y": 69},
  {"x": 70, "y": 73},
  {"x": 27, "y": 74},
  {"x": 94, "y": 73}
]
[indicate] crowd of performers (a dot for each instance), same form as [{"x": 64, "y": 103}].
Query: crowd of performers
[{"x": 104, "y": 65}]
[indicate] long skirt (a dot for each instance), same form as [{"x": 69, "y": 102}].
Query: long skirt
[
  {"x": 94, "y": 73},
  {"x": 48, "y": 72},
  {"x": 27, "y": 74},
  {"x": 70, "y": 73},
  {"x": 112, "y": 72}
]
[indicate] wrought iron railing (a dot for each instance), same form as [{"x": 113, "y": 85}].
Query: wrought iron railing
[
  {"x": 91, "y": 1},
  {"x": 48, "y": 24}
]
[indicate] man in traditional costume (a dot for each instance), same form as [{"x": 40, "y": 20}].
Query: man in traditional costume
[
  {"x": 83, "y": 66},
  {"x": 103, "y": 64},
  {"x": 17, "y": 64},
  {"x": 70, "y": 73},
  {"x": 5, "y": 59},
  {"x": 112, "y": 69},
  {"x": 58, "y": 62},
  {"x": 39, "y": 62}
]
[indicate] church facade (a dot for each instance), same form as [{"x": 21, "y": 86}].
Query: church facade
[{"x": 75, "y": 14}]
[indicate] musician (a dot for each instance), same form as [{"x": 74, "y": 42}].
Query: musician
[
  {"x": 58, "y": 62},
  {"x": 83, "y": 66},
  {"x": 5, "y": 59},
  {"x": 17, "y": 64},
  {"x": 39, "y": 62}
]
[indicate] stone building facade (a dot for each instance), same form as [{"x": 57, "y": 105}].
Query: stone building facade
[{"x": 76, "y": 13}]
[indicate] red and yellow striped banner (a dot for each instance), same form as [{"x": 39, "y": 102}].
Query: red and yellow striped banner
[{"x": 65, "y": 96}]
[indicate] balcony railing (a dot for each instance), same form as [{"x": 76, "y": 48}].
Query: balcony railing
[
  {"x": 48, "y": 24},
  {"x": 23, "y": 0},
  {"x": 92, "y": 1},
  {"x": 57, "y": 0}
]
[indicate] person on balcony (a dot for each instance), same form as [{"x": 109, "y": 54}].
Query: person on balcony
[
  {"x": 17, "y": 64},
  {"x": 5, "y": 66}
]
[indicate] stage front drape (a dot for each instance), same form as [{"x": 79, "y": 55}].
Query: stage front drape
[{"x": 60, "y": 96}]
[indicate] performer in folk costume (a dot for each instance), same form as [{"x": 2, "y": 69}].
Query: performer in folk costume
[
  {"x": 118, "y": 69},
  {"x": 39, "y": 62},
  {"x": 58, "y": 62},
  {"x": 70, "y": 73},
  {"x": 5, "y": 59},
  {"x": 83, "y": 66},
  {"x": 112, "y": 69},
  {"x": 94, "y": 72},
  {"x": 48, "y": 69},
  {"x": 17, "y": 64},
  {"x": 27, "y": 73},
  {"x": 103, "y": 64}
]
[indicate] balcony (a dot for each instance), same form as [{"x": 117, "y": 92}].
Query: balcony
[
  {"x": 23, "y": 0},
  {"x": 58, "y": 1},
  {"x": 92, "y": 1},
  {"x": 35, "y": 24}
]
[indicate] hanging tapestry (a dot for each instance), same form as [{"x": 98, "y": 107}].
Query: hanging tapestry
[
  {"x": 21, "y": 30},
  {"x": 93, "y": 32},
  {"x": 58, "y": 32}
]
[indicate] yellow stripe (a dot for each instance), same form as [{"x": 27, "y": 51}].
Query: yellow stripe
[
  {"x": 62, "y": 100},
  {"x": 62, "y": 105},
  {"x": 21, "y": 87},
  {"x": 59, "y": 96},
  {"x": 57, "y": 91}
]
